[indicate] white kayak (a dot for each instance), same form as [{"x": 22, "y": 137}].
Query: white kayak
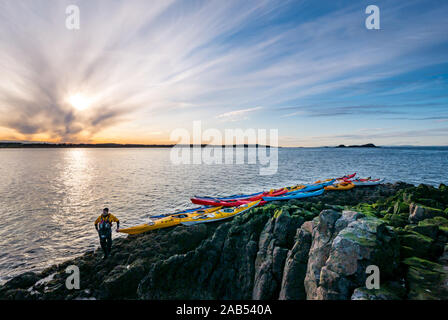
[{"x": 375, "y": 182}]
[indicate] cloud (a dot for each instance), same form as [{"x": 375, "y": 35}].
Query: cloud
[
  {"x": 365, "y": 110},
  {"x": 45, "y": 63},
  {"x": 237, "y": 114}
]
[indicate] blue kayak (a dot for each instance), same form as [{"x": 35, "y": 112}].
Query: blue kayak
[
  {"x": 308, "y": 187},
  {"x": 311, "y": 187},
  {"x": 235, "y": 196},
  {"x": 322, "y": 184},
  {"x": 295, "y": 195}
]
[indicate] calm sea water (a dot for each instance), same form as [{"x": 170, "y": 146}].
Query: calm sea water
[{"x": 49, "y": 198}]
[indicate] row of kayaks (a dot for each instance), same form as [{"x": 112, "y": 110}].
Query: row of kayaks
[
  {"x": 220, "y": 208},
  {"x": 298, "y": 191},
  {"x": 200, "y": 215}
]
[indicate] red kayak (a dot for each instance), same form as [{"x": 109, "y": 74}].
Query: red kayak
[
  {"x": 224, "y": 203},
  {"x": 347, "y": 177},
  {"x": 238, "y": 201}
]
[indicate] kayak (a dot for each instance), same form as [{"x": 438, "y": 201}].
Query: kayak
[
  {"x": 232, "y": 202},
  {"x": 323, "y": 181},
  {"x": 235, "y": 196},
  {"x": 340, "y": 186},
  {"x": 321, "y": 184},
  {"x": 373, "y": 182},
  {"x": 179, "y": 212},
  {"x": 223, "y": 203},
  {"x": 312, "y": 187},
  {"x": 297, "y": 195},
  {"x": 349, "y": 176},
  {"x": 237, "y": 202},
  {"x": 218, "y": 215},
  {"x": 165, "y": 222},
  {"x": 259, "y": 195},
  {"x": 250, "y": 197}
]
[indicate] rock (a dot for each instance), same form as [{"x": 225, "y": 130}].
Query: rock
[
  {"x": 123, "y": 280},
  {"x": 292, "y": 287},
  {"x": 275, "y": 240},
  {"x": 421, "y": 245},
  {"x": 416, "y": 213},
  {"x": 387, "y": 291},
  {"x": 268, "y": 272},
  {"x": 428, "y": 230},
  {"x": 419, "y": 212},
  {"x": 17, "y": 294},
  {"x": 221, "y": 267},
  {"x": 24, "y": 281},
  {"x": 397, "y": 220},
  {"x": 323, "y": 233},
  {"x": 342, "y": 249},
  {"x": 400, "y": 207},
  {"x": 440, "y": 222},
  {"x": 444, "y": 257},
  {"x": 426, "y": 280}
]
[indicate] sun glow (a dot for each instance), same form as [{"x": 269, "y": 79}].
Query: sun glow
[{"x": 79, "y": 102}]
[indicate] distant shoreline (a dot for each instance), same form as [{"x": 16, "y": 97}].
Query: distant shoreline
[
  {"x": 17, "y": 145},
  {"x": 39, "y": 145}
]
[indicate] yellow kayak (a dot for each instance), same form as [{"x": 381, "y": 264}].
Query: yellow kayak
[
  {"x": 322, "y": 181},
  {"x": 222, "y": 214},
  {"x": 169, "y": 221},
  {"x": 341, "y": 186},
  {"x": 292, "y": 188}
]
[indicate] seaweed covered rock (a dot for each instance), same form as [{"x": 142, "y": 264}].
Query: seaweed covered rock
[
  {"x": 426, "y": 280},
  {"x": 116, "y": 277},
  {"x": 23, "y": 281},
  {"x": 185, "y": 276},
  {"x": 123, "y": 280},
  {"x": 393, "y": 290},
  {"x": 18, "y": 288},
  {"x": 222, "y": 267}
]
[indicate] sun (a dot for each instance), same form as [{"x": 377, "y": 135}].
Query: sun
[{"x": 79, "y": 102}]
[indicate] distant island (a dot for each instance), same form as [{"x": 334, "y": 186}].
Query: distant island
[
  {"x": 117, "y": 145},
  {"x": 368, "y": 145}
]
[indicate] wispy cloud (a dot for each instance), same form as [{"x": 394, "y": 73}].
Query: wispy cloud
[
  {"x": 237, "y": 114},
  {"x": 380, "y": 110}
]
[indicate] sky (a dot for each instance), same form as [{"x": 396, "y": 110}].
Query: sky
[{"x": 135, "y": 71}]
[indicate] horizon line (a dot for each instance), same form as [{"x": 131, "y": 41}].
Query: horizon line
[{"x": 26, "y": 144}]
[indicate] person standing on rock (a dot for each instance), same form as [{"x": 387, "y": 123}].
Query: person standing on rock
[{"x": 103, "y": 224}]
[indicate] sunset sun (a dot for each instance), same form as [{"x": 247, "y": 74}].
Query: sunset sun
[{"x": 79, "y": 102}]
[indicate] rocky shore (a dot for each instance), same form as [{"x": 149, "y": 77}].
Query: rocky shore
[{"x": 318, "y": 248}]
